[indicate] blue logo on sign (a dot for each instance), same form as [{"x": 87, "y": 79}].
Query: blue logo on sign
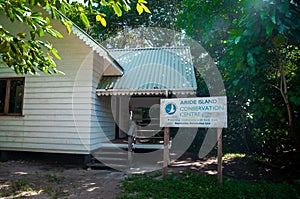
[{"x": 170, "y": 109}]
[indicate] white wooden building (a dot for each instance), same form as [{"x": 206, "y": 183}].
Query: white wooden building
[
  {"x": 72, "y": 113},
  {"x": 60, "y": 113}
]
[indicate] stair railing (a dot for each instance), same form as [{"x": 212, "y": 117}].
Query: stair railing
[{"x": 130, "y": 133}]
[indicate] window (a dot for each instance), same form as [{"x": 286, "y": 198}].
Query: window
[{"x": 11, "y": 96}]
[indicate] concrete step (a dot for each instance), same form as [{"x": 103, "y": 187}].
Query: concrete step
[
  {"x": 148, "y": 146},
  {"x": 118, "y": 159},
  {"x": 100, "y": 165},
  {"x": 110, "y": 155},
  {"x": 114, "y": 145},
  {"x": 148, "y": 134}
]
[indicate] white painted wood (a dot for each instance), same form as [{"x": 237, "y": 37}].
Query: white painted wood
[{"x": 104, "y": 128}]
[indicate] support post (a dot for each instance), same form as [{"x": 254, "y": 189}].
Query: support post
[
  {"x": 220, "y": 170},
  {"x": 166, "y": 152}
]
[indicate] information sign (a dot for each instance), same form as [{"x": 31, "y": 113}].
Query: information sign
[{"x": 205, "y": 112}]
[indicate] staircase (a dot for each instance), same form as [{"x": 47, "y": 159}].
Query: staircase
[
  {"x": 142, "y": 135},
  {"x": 148, "y": 134},
  {"x": 109, "y": 155}
]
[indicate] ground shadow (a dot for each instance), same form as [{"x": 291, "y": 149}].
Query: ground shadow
[{"x": 241, "y": 168}]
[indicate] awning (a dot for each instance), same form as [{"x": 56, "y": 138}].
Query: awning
[{"x": 151, "y": 71}]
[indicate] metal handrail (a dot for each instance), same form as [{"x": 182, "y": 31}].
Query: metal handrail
[{"x": 130, "y": 133}]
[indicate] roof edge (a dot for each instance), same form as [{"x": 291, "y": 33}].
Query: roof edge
[
  {"x": 109, "y": 92},
  {"x": 91, "y": 42}
]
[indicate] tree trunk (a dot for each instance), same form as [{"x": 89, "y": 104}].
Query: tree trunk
[{"x": 283, "y": 91}]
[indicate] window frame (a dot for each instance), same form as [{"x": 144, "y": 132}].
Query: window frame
[{"x": 7, "y": 96}]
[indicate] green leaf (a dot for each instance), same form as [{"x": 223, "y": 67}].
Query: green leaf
[
  {"x": 103, "y": 3},
  {"x": 41, "y": 32},
  {"x": 32, "y": 3},
  {"x": 84, "y": 19},
  {"x": 67, "y": 25},
  {"x": 146, "y": 9},
  {"x": 273, "y": 19},
  {"x": 250, "y": 59},
  {"x": 269, "y": 28},
  {"x": 101, "y": 19},
  {"x": 235, "y": 32},
  {"x": 47, "y": 20},
  {"x": 39, "y": 20},
  {"x": 237, "y": 39},
  {"x": 235, "y": 82},
  {"x": 54, "y": 33},
  {"x": 117, "y": 9},
  {"x": 54, "y": 52},
  {"x": 142, "y": 1},
  {"x": 80, "y": 9},
  {"x": 45, "y": 44},
  {"x": 126, "y": 7},
  {"x": 139, "y": 8},
  {"x": 263, "y": 13}
]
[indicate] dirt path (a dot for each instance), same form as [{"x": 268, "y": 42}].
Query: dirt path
[
  {"x": 50, "y": 181},
  {"x": 38, "y": 179}
]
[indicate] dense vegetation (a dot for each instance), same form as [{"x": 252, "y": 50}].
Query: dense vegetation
[{"x": 256, "y": 47}]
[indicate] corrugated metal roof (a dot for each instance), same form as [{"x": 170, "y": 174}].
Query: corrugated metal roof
[{"x": 151, "y": 71}]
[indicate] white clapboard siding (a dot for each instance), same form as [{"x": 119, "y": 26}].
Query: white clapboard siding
[
  {"x": 104, "y": 127},
  {"x": 61, "y": 113}
]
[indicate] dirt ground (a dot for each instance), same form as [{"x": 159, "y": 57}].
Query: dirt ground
[
  {"x": 54, "y": 181},
  {"x": 38, "y": 179}
]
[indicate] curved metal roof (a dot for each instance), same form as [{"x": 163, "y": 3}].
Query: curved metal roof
[{"x": 149, "y": 71}]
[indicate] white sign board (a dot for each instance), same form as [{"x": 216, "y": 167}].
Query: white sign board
[{"x": 205, "y": 112}]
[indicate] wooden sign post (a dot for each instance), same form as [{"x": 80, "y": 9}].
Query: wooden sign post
[
  {"x": 199, "y": 112},
  {"x": 166, "y": 152},
  {"x": 220, "y": 161}
]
